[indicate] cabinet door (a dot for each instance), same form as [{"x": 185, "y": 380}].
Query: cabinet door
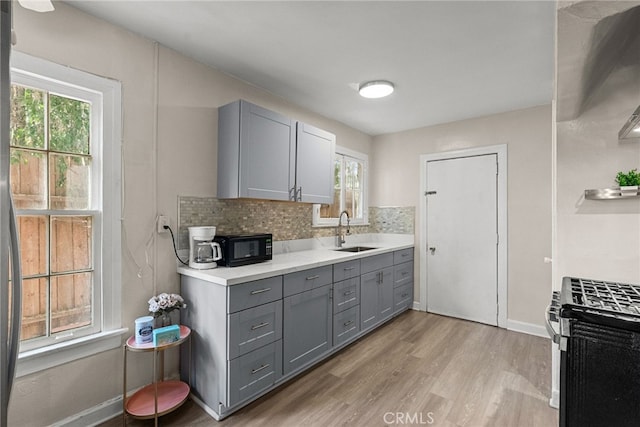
[
  {"x": 385, "y": 291},
  {"x": 267, "y": 153},
  {"x": 369, "y": 312},
  {"x": 376, "y": 297},
  {"x": 315, "y": 151},
  {"x": 307, "y": 329}
]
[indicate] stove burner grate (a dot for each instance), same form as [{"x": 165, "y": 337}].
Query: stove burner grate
[{"x": 603, "y": 295}]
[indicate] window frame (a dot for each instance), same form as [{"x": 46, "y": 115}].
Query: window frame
[
  {"x": 317, "y": 221},
  {"x": 105, "y": 207}
]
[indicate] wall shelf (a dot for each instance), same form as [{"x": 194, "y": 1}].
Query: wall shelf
[{"x": 610, "y": 194}]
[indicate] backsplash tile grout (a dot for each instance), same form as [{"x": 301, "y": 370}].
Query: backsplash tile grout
[{"x": 285, "y": 220}]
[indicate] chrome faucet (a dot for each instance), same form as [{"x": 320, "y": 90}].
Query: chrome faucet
[{"x": 339, "y": 233}]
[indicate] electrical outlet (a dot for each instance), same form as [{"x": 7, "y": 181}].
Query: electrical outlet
[{"x": 162, "y": 221}]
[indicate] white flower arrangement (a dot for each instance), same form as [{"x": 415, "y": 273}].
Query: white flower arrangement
[{"x": 165, "y": 303}]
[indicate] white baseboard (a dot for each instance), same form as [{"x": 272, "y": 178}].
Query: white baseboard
[
  {"x": 93, "y": 416},
  {"x": 527, "y": 328},
  {"x": 554, "y": 402},
  {"x": 416, "y": 306}
]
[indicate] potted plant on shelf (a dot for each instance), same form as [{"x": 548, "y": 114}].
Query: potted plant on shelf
[
  {"x": 628, "y": 182},
  {"x": 162, "y": 305}
]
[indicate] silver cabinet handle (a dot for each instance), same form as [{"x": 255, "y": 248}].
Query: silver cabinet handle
[
  {"x": 348, "y": 268},
  {"x": 313, "y": 277},
  {"x": 349, "y": 293},
  {"x": 261, "y": 325},
  {"x": 253, "y": 371},
  {"x": 404, "y": 255},
  {"x": 404, "y": 295},
  {"x": 259, "y": 291},
  {"x": 347, "y": 323},
  {"x": 404, "y": 273}
]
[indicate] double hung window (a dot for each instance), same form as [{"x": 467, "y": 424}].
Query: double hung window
[
  {"x": 65, "y": 183},
  {"x": 350, "y": 182}
]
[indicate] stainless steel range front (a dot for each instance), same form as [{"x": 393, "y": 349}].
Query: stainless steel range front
[{"x": 597, "y": 326}]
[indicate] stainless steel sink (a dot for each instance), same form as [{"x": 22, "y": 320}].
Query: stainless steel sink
[{"x": 355, "y": 249}]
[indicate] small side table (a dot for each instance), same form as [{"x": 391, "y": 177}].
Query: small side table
[{"x": 160, "y": 397}]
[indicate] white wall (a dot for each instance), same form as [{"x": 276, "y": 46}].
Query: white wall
[
  {"x": 182, "y": 160},
  {"x": 395, "y": 180},
  {"x": 595, "y": 239}
]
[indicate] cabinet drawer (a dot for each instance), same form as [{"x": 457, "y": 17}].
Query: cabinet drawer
[
  {"x": 305, "y": 280},
  {"x": 346, "y": 270},
  {"x": 403, "y": 255},
  {"x": 402, "y": 274},
  {"x": 253, "y": 328},
  {"x": 251, "y": 294},
  {"x": 346, "y": 294},
  {"x": 346, "y": 325},
  {"x": 254, "y": 372},
  {"x": 376, "y": 262},
  {"x": 403, "y": 297}
]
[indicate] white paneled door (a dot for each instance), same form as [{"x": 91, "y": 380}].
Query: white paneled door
[{"x": 462, "y": 238}]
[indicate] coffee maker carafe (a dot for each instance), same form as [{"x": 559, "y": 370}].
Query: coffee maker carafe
[{"x": 203, "y": 251}]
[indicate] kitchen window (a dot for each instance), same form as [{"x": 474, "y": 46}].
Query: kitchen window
[
  {"x": 65, "y": 183},
  {"x": 350, "y": 190}
]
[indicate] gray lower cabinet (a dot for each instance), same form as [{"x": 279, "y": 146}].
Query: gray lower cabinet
[
  {"x": 376, "y": 290},
  {"x": 250, "y": 337},
  {"x": 376, "y": 294},
  {"x": 307, "y": 323},
  {"x": 254, "y": 372},
  {"x": 346, "y": 325}
]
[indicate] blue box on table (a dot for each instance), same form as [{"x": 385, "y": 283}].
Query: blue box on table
[{"x": 166, "y": 335}]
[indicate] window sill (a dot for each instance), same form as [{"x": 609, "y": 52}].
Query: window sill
[
  {"x": 362, "y": 224},
  {"x": 40, "y": 359}
]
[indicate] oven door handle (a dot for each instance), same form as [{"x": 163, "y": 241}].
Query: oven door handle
[{"x": 555, "y": 335}]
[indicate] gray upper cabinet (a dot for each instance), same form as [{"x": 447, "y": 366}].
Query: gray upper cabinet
[
  {"x": 315, "y": 151},
  {"x": 256, "y": 152},
  {"x": 265, "y": 155}
]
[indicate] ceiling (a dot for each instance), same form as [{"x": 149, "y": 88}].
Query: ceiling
[{"x": 449, "y": 60}]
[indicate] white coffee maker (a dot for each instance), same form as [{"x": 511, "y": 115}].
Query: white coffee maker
[{"x": 203, "y": 251}]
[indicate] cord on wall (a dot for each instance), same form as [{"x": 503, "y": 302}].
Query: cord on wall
[{"x": 173, "y": 240}]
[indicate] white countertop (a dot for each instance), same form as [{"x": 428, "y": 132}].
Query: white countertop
[{"x": 286, "y": 261}]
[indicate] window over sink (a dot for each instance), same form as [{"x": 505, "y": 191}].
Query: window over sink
[{"x": 350, "y": 190}]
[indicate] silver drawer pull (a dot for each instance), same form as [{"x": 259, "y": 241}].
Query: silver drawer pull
[
  {"x": 261, "y": 325},
  {"x": 349, "y": 293},
  {"x": 259, "y": 291},
  {"x": 404, "y": 273},
  {"x": 348, "y": 268},
  {"x": 348, "y": 323},
  {"x": 253, "y": 371},
  {"x": 313, "y": 277},
  {"x": 404, "y": 295},
  {"x": 404, "y": 255}
]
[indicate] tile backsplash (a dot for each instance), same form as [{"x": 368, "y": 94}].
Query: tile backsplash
[{"x": 285, "y": 220}]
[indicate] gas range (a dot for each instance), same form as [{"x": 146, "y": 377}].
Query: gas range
[
  {"x": 598, "y": 331},
  {"x": 605, "y": 302}
]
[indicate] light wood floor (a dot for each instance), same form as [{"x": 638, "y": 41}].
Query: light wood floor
[{"x": 419, "y": 369}]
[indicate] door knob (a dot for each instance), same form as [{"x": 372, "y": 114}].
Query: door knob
[{"x": 432, "y": 249}]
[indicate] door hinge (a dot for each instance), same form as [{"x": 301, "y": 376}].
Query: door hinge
[
  {"x": 497, "y": 239},
  {"x": 497, "y": 168}
]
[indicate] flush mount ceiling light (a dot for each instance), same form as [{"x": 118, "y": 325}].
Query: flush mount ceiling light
[
  {"x": 375, "y": 89},
  {"x": 631, "y": 128}
]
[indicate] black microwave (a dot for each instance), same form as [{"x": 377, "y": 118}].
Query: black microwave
[{"x": 242, "y": 250}]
